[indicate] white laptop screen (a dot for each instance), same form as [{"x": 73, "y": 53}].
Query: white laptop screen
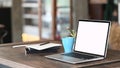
[{"x": 91, "y": 37}]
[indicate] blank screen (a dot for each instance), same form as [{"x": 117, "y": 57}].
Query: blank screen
[{"x": 91, "y": 37}]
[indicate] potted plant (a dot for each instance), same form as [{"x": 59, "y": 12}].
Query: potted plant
[{"x": 68, "y": 41}]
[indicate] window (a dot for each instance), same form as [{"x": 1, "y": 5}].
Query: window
[{"x": 47, "y": 19}]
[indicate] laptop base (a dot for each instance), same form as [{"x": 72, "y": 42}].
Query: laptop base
[{"x": 72, "y": 60}]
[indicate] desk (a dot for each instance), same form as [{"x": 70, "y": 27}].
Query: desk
[{"x": 39, "y": 61}]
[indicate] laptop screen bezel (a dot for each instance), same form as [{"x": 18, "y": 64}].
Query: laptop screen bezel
[{"x": 107, "y": 38}]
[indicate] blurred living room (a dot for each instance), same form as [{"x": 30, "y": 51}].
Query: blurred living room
[
  {"x": 32, "y": 21},
  {"x": 35, "y": 20}
]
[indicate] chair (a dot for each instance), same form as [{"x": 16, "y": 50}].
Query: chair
[
  {"x": 3, "y": 33},
  {"x": 114, "y": 40}
]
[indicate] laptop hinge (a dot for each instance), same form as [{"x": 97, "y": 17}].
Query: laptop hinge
[{"x": 88, "y": 54}]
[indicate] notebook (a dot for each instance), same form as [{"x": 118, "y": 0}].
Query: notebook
[{"x": 91, "y": 43}]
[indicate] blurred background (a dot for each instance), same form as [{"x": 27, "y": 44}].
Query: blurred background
[{"x": 35, "y": 20}]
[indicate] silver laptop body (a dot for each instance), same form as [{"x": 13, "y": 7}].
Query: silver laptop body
[{"x": 91, "y": 40}]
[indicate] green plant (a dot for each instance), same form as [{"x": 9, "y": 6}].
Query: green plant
[{"x": 72, "y": 33}]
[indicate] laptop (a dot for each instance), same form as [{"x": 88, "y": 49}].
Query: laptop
[{"x": 91, "y": 43}]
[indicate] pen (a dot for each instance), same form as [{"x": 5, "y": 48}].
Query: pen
[
  {"x": 44, "y": 43},
  {"x": 28, "y": 45}
]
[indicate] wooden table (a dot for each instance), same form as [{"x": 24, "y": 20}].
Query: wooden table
[{"x": 39, "y": 61}]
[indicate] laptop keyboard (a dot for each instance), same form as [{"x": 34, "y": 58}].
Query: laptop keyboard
[{"x": 82, "y": 56}]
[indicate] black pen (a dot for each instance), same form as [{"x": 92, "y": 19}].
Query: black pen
[{"x": 44, "y": 43}]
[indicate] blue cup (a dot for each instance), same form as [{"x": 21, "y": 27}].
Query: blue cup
[{"x": 67, "y": 43}]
